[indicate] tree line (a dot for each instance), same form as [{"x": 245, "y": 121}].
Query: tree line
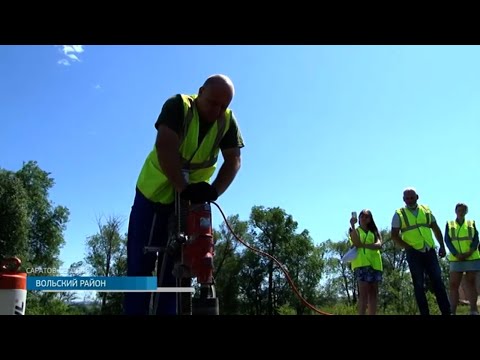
[{"x": 32, "y": 228}]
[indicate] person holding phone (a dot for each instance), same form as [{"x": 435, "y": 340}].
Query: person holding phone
[{"x": 367, "y": 266}]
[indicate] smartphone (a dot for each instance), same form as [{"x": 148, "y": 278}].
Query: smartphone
[{"x": 354, "y": 214}]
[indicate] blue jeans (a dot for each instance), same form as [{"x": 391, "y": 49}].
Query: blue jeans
[
  {"x": 140, "y": 263},
  {"x": 422, "y": 264}
]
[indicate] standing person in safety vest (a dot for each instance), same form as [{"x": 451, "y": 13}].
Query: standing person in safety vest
[
  {"x": 416, "y": 222},
  {"x": 461, "y": 238},
  {"x": 191, "y": 131},
  {"x": 367, "y": 266}
]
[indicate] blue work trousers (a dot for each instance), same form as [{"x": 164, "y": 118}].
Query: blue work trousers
[
  {"x": 423, "y": 264},
  {"x": 141, "y": 263}
]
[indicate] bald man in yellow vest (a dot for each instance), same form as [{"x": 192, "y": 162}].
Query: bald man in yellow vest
[
  {"x": 191, "y": 132},
  {"x": 415, "y": 223}
]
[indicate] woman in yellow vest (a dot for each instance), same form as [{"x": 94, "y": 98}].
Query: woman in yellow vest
[
  {"x": 367, "y": 266},
  {"x": 461, "y": 238}
]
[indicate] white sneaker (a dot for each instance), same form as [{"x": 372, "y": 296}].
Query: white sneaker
[{"x": 473, "y": 312}]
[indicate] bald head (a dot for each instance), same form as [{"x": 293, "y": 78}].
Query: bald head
[
  {"x": 214, "y": 97},
  {"x": 410, "y": 197},
  {"x": 221, "y": 80},
  {"x": 409, "y": 189}
]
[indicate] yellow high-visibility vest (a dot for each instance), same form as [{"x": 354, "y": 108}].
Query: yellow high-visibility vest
[
  {"x": 367, "y": 257},
  {"x": 416, "y": 231},
  {"x": 462, "y": 237},
  {"x": 198, "y": 159}
]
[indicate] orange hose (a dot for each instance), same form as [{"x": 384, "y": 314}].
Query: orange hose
[{"x": 305, "y": 302}]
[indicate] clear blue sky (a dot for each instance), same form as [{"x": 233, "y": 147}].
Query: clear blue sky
[{"x": 328, "y": 129}]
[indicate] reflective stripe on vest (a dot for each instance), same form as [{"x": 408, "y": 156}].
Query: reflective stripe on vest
[
  {"x": 367, "y": 257},
  {"x": 199, "y": 159},
  {"x": 416, "y": 231},
  {"x": 462, "y": 237},
  {"x": 190, "y": 148}
]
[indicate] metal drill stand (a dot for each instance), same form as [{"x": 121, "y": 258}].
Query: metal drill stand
[{"x": 190, "y": 244}]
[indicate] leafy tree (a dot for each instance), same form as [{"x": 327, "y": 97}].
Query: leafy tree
[
  {"x": 106, "y": 256},
  {"x": 31, "y": 227},
  {"x": 227, "y": 263},
  {"x": 252, "y": 283},
  {"x": 304, "y": 264},
  {"x": 75, "y": 269},
  {"x": 253, "y": 293},
  {"x": 14, "y": 222},
  {"x": 47, "y": 222},
  {"x": 273, "y": 229},
  {"x": 340, "y": 285}
]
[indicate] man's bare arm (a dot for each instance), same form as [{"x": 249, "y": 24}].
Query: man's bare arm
[
  {"x": 442, "y": 252},
  {"x": 438, "y": 234},
  {"x": 168, "y": 144},
  {"x": 396, "y": 238},
  {"x": 228, "y": 171}
]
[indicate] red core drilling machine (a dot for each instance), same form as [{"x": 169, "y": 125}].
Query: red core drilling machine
[{"x": 191, "y": 245}]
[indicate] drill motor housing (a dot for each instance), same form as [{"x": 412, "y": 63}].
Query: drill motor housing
[{"x": 198, "y": 249}]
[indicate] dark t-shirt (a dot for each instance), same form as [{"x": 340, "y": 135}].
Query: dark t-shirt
[{"x": 172, "y": 116}]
